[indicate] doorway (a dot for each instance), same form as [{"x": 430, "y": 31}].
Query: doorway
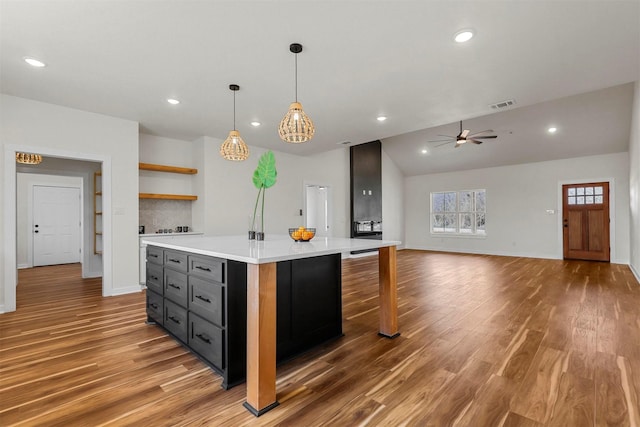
[
  {"x": 318, "y": 208},
  {"x": 585, "y": 221},
  {"x": 56, "y": 225}
]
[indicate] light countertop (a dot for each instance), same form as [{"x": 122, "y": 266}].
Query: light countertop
[
  {"x": 176, "y": 234},
  {"x": 273, "y": 249}
]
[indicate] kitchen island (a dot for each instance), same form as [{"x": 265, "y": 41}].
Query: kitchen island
[{"x": 188, "y": 262}]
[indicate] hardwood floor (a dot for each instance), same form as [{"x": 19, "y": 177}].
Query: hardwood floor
[{"x": 486, "y": 341}]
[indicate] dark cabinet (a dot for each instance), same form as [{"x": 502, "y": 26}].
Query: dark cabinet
[
  {"x": 202, "y": 302},
  {"x": 366, "y": 182}
]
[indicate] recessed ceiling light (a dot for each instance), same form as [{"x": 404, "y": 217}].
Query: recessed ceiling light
[
  {"x": 34, "y": 62},
  {"x": 381, "y": 118},
  {"x": 173, "y": 101},
  {"x": 255, "y": 124},
  {"x": 424, "y": 151},
  {"x": 552, "y": 130},
  {"x": 463, "y": 36}
]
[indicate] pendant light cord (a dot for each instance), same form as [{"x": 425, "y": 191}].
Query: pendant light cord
[
  {"x": 234, "y": 110},
  {"x": 296, "y": 55}
]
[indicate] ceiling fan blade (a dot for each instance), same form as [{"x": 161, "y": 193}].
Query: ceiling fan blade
[
  {"x": 442, "y": 140},
  {"x": 475, "y": 141},
  {"x": 482, "y": 131},
  {"x": 464, "y": 133},
  {"x": 444, "y": 144},
  {"x": 486, "y": 137},
  {"x": 448, "y": 136}
]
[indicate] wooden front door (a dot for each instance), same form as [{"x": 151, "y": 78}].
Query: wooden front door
[{"x": 585, "y": 221}]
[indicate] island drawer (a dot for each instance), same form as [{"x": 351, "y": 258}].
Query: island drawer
[
  {"x": 206, "y": 299},
  {"x": 154, "y": 255},
  {"x": 175, "y": 260},
  {"x": 207, "y": 267},
  {"x": 206, "y": 339},
  {"x": 175, "y": 287},
  {"x": 154, "y": 278},
  {"x": 175, "y": 320},
  {"x": 155, "y": 306}
]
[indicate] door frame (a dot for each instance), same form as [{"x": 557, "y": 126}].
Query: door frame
[
  {"x": 31, "y": 211},
  {"x": 10, "y": 258},
  {"x": 306, "y": 184},
  {"x": 612, "y": 213}
]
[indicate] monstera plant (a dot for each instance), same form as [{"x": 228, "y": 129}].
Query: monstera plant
[{"x": 263, "y": 177}]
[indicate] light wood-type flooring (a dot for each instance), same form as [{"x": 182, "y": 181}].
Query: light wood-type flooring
[{"x": 486, "y": 341}]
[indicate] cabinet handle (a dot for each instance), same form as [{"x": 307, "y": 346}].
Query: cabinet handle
[
  {"x": 200, "y": 297},
  {"x": 203, "y": 338},
  {"x": 174, "y": 260},
  {"x": 153, "y": 277},
  {"x": 153, "y": 255},
  {"x": 154, "y": 306},
  {"x": 174, "y": 319},
  {"x": 199, "y": 267},
  {"x": 173, "y": 286}
]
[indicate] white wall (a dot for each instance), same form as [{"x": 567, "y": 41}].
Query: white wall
[
  {"x": 165, "y": 151},
  {"x": 227, "y": 195},
  {"x": 392, "y": 200},
  {"x": 517, "y": 200},
  {"x": 634, "y": 183},
  {"x": 47, "y": 128}
]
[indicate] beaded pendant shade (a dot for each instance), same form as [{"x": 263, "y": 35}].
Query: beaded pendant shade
[
  {"x": 296, "y": 127},
  {"x": 233, "y": 148},
  {"x": 28, "y": 158}
]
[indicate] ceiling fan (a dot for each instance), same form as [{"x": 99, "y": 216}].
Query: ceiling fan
[{"x": 465, "y": 136}]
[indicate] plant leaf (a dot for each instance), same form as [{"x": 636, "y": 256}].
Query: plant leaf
[{"x": 265, "y": 174}]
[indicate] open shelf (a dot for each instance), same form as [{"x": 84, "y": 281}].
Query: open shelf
[
  {"x": 164, "y": 168},
  {"x": 167, "y": 196}
]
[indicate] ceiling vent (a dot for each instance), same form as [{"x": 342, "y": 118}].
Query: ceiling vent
[
  {"x": 344, "y": 143},
  {"x": 502, "y": 104}
]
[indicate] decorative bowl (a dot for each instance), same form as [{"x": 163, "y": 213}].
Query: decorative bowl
[{"x": 302, "y": 234}]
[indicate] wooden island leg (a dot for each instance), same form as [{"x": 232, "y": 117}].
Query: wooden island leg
[
  {"x": 388, "y": 292},
  {"x": 261, "y": 338}
]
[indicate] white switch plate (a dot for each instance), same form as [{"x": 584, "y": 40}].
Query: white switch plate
[{"x": 551, "y": 212}]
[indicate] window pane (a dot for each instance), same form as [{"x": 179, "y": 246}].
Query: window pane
[
  {"x": 580, "y": 200},
  {"x": 480, "y": 223},
  {"x": 599, "y": 199},
  {"x": 598, "y": 190},
  {"x": 572, "y": 192},
  {"x": 450, "y": 223},
  {"x": 450, "y": 202},
  {"x": 588, "y": 191},
  {"x": 438, "y": 202},
  {"x": 572, "y": 200},
  {"x": 589, "y": 200},
  {"x": 466, "y": 201},
  {"x": 438, "y": 223},
  {"x": 466, "y": 223},
  {"x": 480, "y": 201},
  {"x": 580, "y": 191}
]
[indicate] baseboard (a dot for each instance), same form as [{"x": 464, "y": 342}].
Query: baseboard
[
  {"x": 23, "y": 266},
  {"x": 124, "y": 291},
  {"x": 635, "y": 273},
  {"x": 2, "y": 309},
  {"x": 478, "y": 252},
  {"x": 92, "y": 274}
]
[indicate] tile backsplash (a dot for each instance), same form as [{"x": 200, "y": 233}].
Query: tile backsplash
[{"x": 161, "y": 214}]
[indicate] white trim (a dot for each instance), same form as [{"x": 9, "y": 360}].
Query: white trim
[
  {"x": 2, "y": 310},
  {"x": 127, "y": 290},
  {"x": 23, "y": 266},
  {"x": 612, "y": 215},
  {"x": 305, "y": 184},
  {"x": 635, "y": 273},
  {"x": 10, "y": 264}
]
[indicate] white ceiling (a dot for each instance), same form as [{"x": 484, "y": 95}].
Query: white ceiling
[{"x": 360, "y": 59}]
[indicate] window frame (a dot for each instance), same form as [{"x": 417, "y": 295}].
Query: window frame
[{"x": 475, "y": 234}]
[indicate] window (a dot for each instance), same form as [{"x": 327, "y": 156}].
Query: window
[{"x": 459, "y": 212}]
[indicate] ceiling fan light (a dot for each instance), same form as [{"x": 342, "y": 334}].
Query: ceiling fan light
[
  {"x": 463, "y": 36},
  {"x": 234, "y": 148},
  {"x": 296, "y": 127}
]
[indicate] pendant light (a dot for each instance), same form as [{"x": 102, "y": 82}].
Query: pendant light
[
  {"x": 28, "y": 158},
  {"x": 233, "y": 148},
  {"x": 296, "y": 127}
]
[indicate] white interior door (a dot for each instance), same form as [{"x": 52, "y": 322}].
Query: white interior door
[
  {"x": 56, "y": 225},
  {"x": 318, "y": 208}
]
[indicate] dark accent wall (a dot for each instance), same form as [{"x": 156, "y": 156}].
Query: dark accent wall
[{"x": 366, "y": 182}]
